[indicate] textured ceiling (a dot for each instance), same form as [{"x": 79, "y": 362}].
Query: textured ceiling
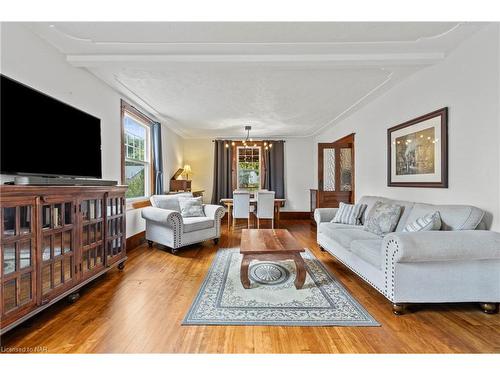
[{"x": 284, "y": 79}]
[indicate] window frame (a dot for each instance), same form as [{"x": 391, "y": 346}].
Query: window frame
[
  {"x": 128, "y": 110},
  {"x": 238, "y": 148}
]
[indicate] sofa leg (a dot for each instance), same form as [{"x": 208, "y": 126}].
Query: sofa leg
[
  {"x": 489, "y": 307},
  {"x": 173, "y": 251},
  {"x": 150, "y": 243},
  {"x": 322, "y": 248},
  {"x": 398, "y": 308},
  {"x": 216, "y": 241}
]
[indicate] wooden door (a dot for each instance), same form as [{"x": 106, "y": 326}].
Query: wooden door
[
  {"x": 336, "y": 172},
  {"x": 57, "y": 256},
  {"x": 91, "y": 223},
  {"x": 115, "y": 229},
  {"x": 18, "y": 260}
]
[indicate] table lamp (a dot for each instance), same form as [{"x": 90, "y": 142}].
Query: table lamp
[{"x": 187, "y": 171}]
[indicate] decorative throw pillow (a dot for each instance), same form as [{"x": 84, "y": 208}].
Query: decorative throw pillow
[
  {"x": 382, "y": 218},
  {"x": 349, "y": 214},
  {"x": 191, "y": 207},
  {"x": 431, "y": 221}
]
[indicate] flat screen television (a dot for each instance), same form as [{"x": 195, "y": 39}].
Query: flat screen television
[{"x": 43, "y": 136}]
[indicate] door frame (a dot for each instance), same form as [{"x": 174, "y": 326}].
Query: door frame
[{"x": 344, "y": 142}]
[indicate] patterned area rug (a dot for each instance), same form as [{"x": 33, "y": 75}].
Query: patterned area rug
[{"x": 272, "y": 298}]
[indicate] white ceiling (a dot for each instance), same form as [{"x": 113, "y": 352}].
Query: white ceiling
[{"x": 283, "y": 79}]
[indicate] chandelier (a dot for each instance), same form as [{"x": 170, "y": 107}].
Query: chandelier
[{"x": 247, "y": 142}]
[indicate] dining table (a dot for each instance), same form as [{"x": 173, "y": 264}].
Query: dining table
[{"x": 228, "y": 202}]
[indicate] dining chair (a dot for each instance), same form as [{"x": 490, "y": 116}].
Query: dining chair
[
  {"x": 241, "y": 207},
  {"x": 265, "y": 206}
]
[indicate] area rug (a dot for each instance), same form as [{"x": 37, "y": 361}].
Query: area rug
[{"x": 272, "y": 298}]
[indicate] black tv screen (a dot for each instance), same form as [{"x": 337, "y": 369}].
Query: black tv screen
[{"x": 44, "y": 136}]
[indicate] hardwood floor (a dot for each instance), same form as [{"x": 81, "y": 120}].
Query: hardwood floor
[{"x": 141, "y": 308}]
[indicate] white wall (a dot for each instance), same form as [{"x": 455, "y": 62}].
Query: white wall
[
  {"x": 467, "y": 82},
  {"x": 199, "y": 154},
  {"x": 29, "y": 59},
  {"x": 298, "y": 172}
]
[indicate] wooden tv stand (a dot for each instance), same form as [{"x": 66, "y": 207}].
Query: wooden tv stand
[{"x": 54, "y": 240}]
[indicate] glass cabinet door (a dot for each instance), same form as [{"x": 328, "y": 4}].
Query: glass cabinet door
[
  {"x": 57, "y": 247},
  {"x": 115, "y": 222},
  {"x": 17, "y": 251},
  {"x": 92, "y": 238}
]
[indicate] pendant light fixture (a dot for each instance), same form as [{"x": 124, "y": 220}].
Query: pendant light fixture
[{"x": 247, "y": 141}]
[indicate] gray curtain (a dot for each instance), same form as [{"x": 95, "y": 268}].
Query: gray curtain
[
  {"x": 222, "y": 172},
  {"x": 157, "y": 157},
  {"x": 274, "y": 161}
]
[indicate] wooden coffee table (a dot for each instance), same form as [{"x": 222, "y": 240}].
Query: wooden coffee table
[{"x": 273, "y": 245}]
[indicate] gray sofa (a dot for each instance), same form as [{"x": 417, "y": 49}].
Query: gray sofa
[
  {"x": 459, "y": 263},
  {"x": 165, "y": 224}
]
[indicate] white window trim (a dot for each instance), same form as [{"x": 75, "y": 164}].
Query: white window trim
[
  {"x": 147, "y": 156},
  {"x": 238, "y": 168}
]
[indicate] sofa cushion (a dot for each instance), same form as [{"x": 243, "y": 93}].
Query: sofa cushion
[
  {"x": 383, "y": 218},
  {"x": 430, "y": 221},
  {"x": 168, "y": 202},
  {"x": 369, "y": 251},
  {"x": 406, "y": 208},
  {"x": 193, "y": 224},
  {"x": 325, "y": 227},
  {"x": 453, "y": 217},
  {"x": 349, "y": 213},
  {"x": 191, "y": 207},
  {"x": 344, "y": 237}
]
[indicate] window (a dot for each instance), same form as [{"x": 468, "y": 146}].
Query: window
[
  {"x": 136, "y": 163},
  {"x": 248, "y": 168}
]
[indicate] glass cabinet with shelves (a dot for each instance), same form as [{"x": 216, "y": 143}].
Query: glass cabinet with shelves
[
  {"x": 54, "y": 240},
  {"x": 17, "y": 250},
  {"x": 92, "y": 238},
  {"x": 58, "y": 253}
]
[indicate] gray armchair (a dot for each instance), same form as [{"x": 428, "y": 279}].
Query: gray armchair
[{"x": 165, "y": 224}]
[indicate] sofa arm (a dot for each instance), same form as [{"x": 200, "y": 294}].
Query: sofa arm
[
  {"x": 160, "y": 215},
  {"x": 435, "y": 246},
  {"x": 214, "y": 211},
  {"x": 323, "y": 215}
]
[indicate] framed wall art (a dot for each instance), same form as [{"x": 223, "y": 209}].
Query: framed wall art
[{"x": 418, "y": 152}]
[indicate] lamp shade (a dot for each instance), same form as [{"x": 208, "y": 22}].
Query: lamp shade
[{"x": 187, "y": 169}]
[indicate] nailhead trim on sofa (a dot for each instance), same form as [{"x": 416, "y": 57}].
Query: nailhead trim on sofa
[
  {"x": 353, "y": 270},
  {"x": 389, "y": 265}
]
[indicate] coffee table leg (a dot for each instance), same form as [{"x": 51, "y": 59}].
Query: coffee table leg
[
  {"x": 245, "y": 281},
  {"x": 301, "y": 271}
]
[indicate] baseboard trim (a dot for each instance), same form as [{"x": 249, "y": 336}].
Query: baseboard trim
[
  {"x": 136, "y": 240},
  {"x": 286, "y": 215},
  {"x": 295, "y": 215}
]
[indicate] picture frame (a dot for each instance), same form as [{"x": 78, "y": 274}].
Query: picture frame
[{"x": 417, "y": 152}]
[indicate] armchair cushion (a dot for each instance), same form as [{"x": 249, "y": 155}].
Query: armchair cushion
[
  {"x": 429, "y": 246},
  {"x": 191, "y": 207},
  {"x": 193, "y": 224},
  {"x": 168, "y": 202}
]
